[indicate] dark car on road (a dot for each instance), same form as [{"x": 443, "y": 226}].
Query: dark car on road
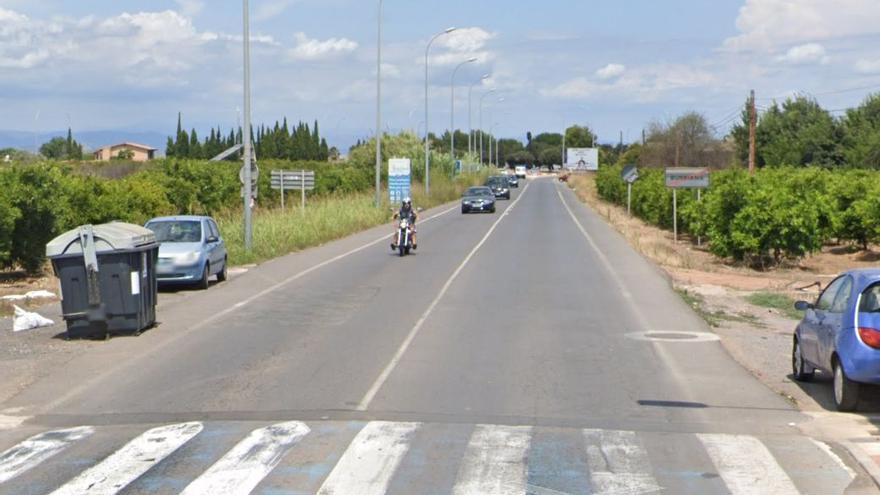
[
  {"x": 499, "y": 186},
  {"x": 512, "y": 180},
  {"x": 478, "y": 199}
]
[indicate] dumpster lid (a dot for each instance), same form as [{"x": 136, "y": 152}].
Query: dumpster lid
[{"x": 113, "y": 236}]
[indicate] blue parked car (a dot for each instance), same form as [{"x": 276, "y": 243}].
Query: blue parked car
[
  {"x": 191, "y": 250},
  {"x": 840, "y": 334}
]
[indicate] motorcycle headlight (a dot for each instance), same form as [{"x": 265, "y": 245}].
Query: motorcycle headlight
[{"x": 404, "y": 224}]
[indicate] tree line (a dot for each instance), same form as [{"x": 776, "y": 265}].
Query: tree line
[{"x": 278, "y": 142}]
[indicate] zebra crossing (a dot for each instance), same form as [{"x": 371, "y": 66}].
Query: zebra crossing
[{"x": 378, "y": 457}]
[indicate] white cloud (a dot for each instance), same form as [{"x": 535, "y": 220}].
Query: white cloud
[
  {"x": 610, "y": 71},
  {"x": 642, "y": 84},
  {"x": 271, "y": 8},
  {"x": 466, "y": 39},
  {"x": 866, "y": 66},
  {"x": 312, "y": 49},
  {"x": 809, "y": 53},
  {"x": 190, "y": 8},
  {"x": 767, "y": 24}
]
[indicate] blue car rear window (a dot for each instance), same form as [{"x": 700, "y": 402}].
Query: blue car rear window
[{"x": 870, "y": 302}]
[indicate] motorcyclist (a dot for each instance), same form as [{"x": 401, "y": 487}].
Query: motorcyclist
[{"x": 408, "y": 212}]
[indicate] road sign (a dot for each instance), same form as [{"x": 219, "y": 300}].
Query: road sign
[
  {"x": 687, "y": 177},
  {"x": 630, "y": 174},
  {"x": 293, "y": 180},
  {"x": 399, "y": 179},
  {"x": 684, "y": 178},
  {"x": 255, "y": 173},
  {"x": 582, "y": 159}
]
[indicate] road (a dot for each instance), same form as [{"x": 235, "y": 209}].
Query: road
[{"x": 529, "y": 351}]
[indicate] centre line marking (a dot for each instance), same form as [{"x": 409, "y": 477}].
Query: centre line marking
[
  {"x": 73, "y": 391},
  {"x": 371, "y": 393}
]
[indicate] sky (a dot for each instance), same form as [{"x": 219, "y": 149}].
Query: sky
[{"x": 615, "y": 66}]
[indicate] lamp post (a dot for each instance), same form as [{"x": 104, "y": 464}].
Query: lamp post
[
  {"x": 246, "y": 132},
  {"x": 480, "y": 123},
  {"x": 452, "y": 107},
  {"x": 470, "y": 112},
  {"x": 427, "y": 145},
  {"x": 379, "y": 109}
]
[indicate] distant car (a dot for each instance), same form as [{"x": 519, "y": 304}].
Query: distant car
[
  {"x": 191, "y": 250},
  {"x": 499, "y": 186},
  {"x": 512, "y": 180},
  {"x": 840, "y": 334},
  {"x": 520, "y": 171},
  {"x": 478, "y": 199}
]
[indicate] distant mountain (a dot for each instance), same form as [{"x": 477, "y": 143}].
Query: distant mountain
[{"x": 90, "y": 140}]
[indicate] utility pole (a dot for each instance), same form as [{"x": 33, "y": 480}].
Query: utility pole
[
  {"x": 644, "y": 141},
  {"x": 753, "y": 122}
]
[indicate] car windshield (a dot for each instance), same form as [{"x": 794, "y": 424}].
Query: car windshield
[
  {"x": 177, "y": 230},
  {"x": 478, "y": 191}
]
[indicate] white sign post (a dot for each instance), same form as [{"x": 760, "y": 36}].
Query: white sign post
[
  {"x": 684, "y": 178},
  {"x": 582, "y": 159}
]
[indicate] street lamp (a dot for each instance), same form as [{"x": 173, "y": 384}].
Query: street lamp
[
  {"x": 427, "y": 145},
  {"x": 379, "y": 110},
  {"x": 452, "y": 107},
  {"x": 246, "y": 132},
  {"x": 470, "y": 112},
  {"x": 495, "y": 138},
  {"x": 487, "y": 93}
]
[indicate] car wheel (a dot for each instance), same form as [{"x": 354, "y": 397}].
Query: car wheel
[
  {"x": 224, "y": 274},
  {"x": 846, "y": 391},
  {"x": 463, "y": 211},
  {"x": 203, "y": 283},
  {"x": 801, "y": 371},
  {"x": 492, "y": 210}
]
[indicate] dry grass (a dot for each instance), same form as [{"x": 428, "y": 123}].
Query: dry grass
[{"x": 692, "y": 264}]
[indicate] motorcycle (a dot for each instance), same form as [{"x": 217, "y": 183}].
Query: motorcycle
[{"x": 404, "y": 237}]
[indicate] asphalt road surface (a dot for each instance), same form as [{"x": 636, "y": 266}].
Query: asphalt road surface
[{"x": 529, "y": 351}]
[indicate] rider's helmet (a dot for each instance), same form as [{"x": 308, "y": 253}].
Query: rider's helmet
[{"x": 406, "y": 203}]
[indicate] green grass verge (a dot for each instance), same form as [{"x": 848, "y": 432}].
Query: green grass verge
[
  {"x": 277, "y": 233},
  {"x": 772, "y": 300},
  {"x": 714, "y": 318}
]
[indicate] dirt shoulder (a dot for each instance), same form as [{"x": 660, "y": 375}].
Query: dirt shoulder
[{"x": 750, "y": 310}]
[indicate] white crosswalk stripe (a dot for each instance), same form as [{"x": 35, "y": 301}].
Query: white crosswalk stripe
[
  {"x": 37, "y": 449},
  {"x": 746, "y": 465},
  {"x": 242, "y": 468},
  {"x": 370, "y": 461},
  {"x": 495, "y": 461},
  {"x": 618, "y": 463},
  {"x": 131, "y": 461}
]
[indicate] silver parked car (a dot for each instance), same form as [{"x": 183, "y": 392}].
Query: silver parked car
[{"x": 191, "y": 250}]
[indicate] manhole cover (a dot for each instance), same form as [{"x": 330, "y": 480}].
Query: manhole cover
[{"x": 671, "y": 336}]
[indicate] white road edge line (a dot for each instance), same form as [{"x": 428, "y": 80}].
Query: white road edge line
[
  {"x": 371, "y": 393},
  {"x": 644, "y": 324},
  {"x": 37, "y": 449},
  {"x": 235, "y": 307},
  {"x": 131, "y": 461},
  {"x": 495, "y": 461},
  {"x": 241, "y": 469},
  {"x": 370, "y": 460}
]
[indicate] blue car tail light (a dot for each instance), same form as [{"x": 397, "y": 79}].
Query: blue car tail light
[{"x": 870, "y": 336}]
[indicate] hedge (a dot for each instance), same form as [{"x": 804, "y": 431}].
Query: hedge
[
  {"x": 38, "y": 202},
  {"x": 778, "y": 214}
]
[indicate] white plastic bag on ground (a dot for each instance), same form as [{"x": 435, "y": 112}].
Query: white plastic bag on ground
[
  {"x": 40, "y": 294},
  {"x": 25, "y": 320}
]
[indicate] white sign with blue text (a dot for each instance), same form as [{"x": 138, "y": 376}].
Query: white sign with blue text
[{"x": 399, "y": 179}]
